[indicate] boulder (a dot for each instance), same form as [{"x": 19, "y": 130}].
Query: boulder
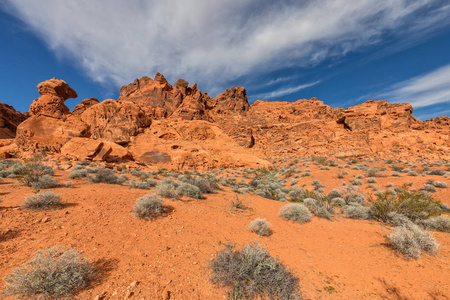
[
  {"x": 90, "y": 149},
  {"x": 115, "y": 121},
  {"x": 85, "y": 104}
]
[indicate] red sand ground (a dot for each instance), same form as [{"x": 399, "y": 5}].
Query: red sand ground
[{"x": 168, "y": 257}]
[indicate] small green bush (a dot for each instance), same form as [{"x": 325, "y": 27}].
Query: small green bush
[
  {"x": 168, "y": 188},
  {"x": 440, "y": 184},
  {"x": 251, "y": 273},
  {"x": 238, "y": 205},
  {"x": 79, "y": 173},
  {"x": 144, "y": 184},
  {"x": 42, "y": 201},
  {"x": 189, "y": 190},
  {"x": 338, "y": 201},
  {"x": 104, "y": 176},
  {"x": 440, "y": 223},
  {"x": 32, "y": 172},
  {"x": 414, "y": 205},
  {"x": 429, "y": 188},
  {"x": 356, "y": 181},
  {"x": 356, "y": 211},
  {"x": 410, "y": 241},
  {"x": 260, "y": 226},
  {"x": 437, "y": 172},
  {"x": 372, "y": 180},
  {"x": 44, "y": 182},
  {"x": 138, "y": 173},
  {"x": 295, "y": 212},
  {"x": 148, "y": 207},
  {"x": 318, "y": 208},
  {"x": 53, "y": 273}
]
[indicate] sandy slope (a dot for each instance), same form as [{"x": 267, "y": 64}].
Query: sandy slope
[{"x": 168, "y": 257}]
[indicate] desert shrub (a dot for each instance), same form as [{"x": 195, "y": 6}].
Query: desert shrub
[
  {"x": 203, "y": 184},
  {"x": 372, "y": 180},
  {"x": 144, "y": 184},
  {"x": 148, "y": 207},
  {"x": 79, "y": 173},
  {"x": 338, "y": 201},
  {"x": 294, "y": 181},
  {"x": 351, "y": 196},
  {"x": 42, "y": 201},
  {"x": 260, "y": 226},
  {"x": 32, "y": 171},
  {"x": 437, "y": 172},
  {"x": 138, "y": 173},
  {"x": 295, "y": 212},
  {"x": 428, "y": 187},
  {"x": 6, "y": 173},
  {"x": 251, "y": 273},
  {"x": 356, "y": 181},
  {"x": 268, "y": 185},
  {"x": 83, "y": 163},
  {"x": 413, "y": 173},
  {"x": 360, "y": 176},
  {"x": 335, "y": 193},
  {"x": 44, "y": 182},
  {"x": 104, "y": 176},
  {"x": 297, "y": 194},
  {"x": 189, "y": 190},
  {"x": 168, "y": 188},
  {"x": 440, "y": 184},
  {"x": 318, "y": 208},
  {"x": 356, "y": 211},
  {"x": 440, "y": 223},
  {"x": 238, "y": 204},
  {"x": 53, "y": 273},
  {"x": 414, "y": 205},
  {"x": 397, "y": 219},
  {"x": 409, "y": 240},
  {"x": 68, "y": 184}
]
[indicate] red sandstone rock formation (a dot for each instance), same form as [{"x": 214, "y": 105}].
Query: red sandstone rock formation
[
  {"x": 9, "y": 120},
  {"x": 115, "y": 121},
  {"x": 182, "y": 127},
  {"x": 54, "y": 92}
]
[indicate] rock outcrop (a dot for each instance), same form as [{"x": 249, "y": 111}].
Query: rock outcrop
[
  {"x": 191, "y": 145},
  {"x": 54, "y": 92},
  {"x": 182, "y": 127},
  {"x": 85, "y": 104},
  {"x": 115, "y": 121},
  {"x": 9, "y": 120}
]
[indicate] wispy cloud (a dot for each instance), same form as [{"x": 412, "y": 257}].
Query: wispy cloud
[
  {"x": 421, "y": 91},
  {"x": 283, "y": 91},
  {"x": 212, "y": 42}
]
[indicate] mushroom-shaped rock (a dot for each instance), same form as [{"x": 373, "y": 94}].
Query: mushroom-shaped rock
[
  {"x": 54, "y": 92},
  {"x": 56, "y": 87}
]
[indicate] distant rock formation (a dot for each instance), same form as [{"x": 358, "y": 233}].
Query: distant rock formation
[
  {"x": 180, "y": 126},
  {"x": 9, "y": 120}
]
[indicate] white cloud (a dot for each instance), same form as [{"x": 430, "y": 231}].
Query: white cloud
[
  {"x": 284, "y": 91},
  {"x": 424, "y": 90},
  {"x": 212, "y": 42}
]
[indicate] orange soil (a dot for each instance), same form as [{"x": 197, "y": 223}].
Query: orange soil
[{"x": 168, "y": 257}]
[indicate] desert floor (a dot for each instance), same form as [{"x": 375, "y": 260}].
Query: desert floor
[{"x": 168, "y": 257}]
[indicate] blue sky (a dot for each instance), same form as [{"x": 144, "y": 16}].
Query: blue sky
[{"x": 343, "y": 52}]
